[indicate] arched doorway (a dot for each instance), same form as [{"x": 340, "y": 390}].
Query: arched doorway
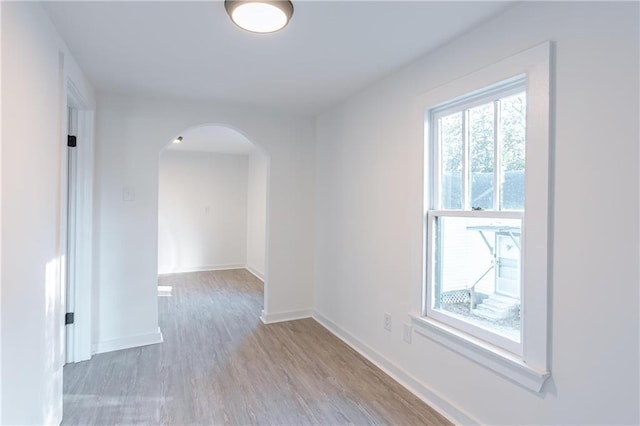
[{"x": 212, "y": 203}]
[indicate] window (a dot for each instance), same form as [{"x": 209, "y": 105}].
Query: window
[
  {"x": 475, "y": 217},
  {"x": 486, "y": 217}
]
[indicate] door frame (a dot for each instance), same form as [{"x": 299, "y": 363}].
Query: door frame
[{"x": 80, "y": 333}]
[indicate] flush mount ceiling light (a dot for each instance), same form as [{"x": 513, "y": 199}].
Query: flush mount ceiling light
[
  {"x": 260, "y": 16},
  {"x": 178, "y": 139}
]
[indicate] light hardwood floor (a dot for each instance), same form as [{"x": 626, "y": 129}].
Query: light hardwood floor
[{"x": 220, "y": 365}]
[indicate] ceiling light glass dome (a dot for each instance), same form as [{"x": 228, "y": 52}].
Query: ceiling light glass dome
[{"x": 260, "y": 16}]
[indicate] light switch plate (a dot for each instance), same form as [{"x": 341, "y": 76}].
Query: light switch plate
[
  {"x": 406, "y": 335},
  {"x": 128, "y": 193}
]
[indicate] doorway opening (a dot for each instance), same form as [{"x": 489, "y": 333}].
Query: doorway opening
[{"x": 212, "y": 204}]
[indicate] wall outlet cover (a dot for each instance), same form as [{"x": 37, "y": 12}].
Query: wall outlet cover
[{"x": 387, "y": 321}]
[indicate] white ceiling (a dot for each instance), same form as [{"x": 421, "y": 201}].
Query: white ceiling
[
  {"x": 217, "y": 139},
  {"x": 329, "y": 51}
]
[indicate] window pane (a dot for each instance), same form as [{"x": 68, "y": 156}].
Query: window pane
[
  {"x": 477, "y": 272},
  {"x": 481, "y": 147},
  {"x": 513, "y": 126},
  {"x": 451, "y": 156}
]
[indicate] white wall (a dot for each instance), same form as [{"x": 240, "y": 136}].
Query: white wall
[
  {"x": 35, "y": 64},
  {"x": 131, "y": 133},
  {"x": 369, "y": 220},
  {"x": 257, "y": 213},
  {"x": 0, "y": 214},
  {"x": 202, "y": 222}
]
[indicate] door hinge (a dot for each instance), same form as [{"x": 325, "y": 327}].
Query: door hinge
[
  {"x": 71, "y": 141},
  {"x": 68, "y": 318}
]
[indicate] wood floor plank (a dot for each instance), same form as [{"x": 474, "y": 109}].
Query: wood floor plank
[{"x": 220, "y": 365}]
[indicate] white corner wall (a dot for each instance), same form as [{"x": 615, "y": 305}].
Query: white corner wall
[
  {"x": 202, "y": 222},
  {"x": 130, "y": 133},
  {"x": 369, "y": 219},
  {"x": 257, "y": 213},
  {"x": 0, "y": 213},
  {"x": 35, "y": 65}
]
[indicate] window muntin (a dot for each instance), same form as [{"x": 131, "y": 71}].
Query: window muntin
[{"x": 474, "y": 274}]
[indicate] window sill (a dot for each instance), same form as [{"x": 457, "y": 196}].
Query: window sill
[{"x": 498, "y": 360}]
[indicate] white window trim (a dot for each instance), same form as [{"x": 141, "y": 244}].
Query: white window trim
[{"x": 531, "y": 368}]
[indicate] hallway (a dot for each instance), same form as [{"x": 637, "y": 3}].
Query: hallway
[{"x": 219, "y": 364}]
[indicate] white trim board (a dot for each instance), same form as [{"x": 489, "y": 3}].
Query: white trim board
[
  {"x": 430, "y": 397},
  {"x": 485, "y": 354},
  {"x": 286, "y": 316},
  {"x": 255, "y": 273},
  {"x": 128, "y": 342},
  {"x": 204, "y": 269}
]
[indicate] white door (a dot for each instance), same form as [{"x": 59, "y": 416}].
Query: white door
[
  {"x": 508, "y": 264},
  {"x": 71, "y": 233}
]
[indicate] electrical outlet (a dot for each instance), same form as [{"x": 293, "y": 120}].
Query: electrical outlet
[
  {"x": 406, "y": 336},
  {"x": 387, "y": 321}
]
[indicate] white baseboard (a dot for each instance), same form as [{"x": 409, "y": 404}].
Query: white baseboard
[
  {"x": 286, "y": 316},
  {"x": 254, "y": 272},
  {"x": 454, "y": 414},
  {"x": 127, "y": 342},
  {"x": 204, "y": 268}
]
